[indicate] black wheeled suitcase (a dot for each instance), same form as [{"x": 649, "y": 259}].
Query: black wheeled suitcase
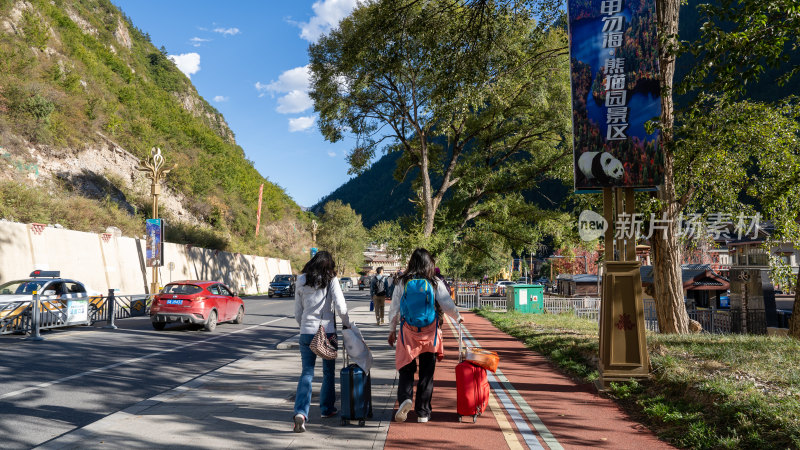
[{"x": 356, "y": 394}]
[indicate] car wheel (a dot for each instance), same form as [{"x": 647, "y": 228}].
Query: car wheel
[
  {"x": 211, "y": 323},
  {"x": 158, "y": 326},
  {"x": 239, "y": 316},
  {"x": 270, "y": 295}
]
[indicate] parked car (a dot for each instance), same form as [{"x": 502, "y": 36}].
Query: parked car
[
  {"x": 504, "y": 283},
  {"x": 523, "y": 280},
  {"x": 54, "y": 291},
  {"x": 281, "y": 285},
  {"x": 196, "y": 302},
  {"x": 46, "y": 283},
  {"x": 363, "y": 282},
  {"x": 347, "y": 280}
]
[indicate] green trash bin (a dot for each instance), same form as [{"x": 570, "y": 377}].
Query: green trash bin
[{"x": 525, "y": 298}]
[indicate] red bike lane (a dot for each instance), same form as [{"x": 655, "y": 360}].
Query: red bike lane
[{"x": 534, "y": 404}]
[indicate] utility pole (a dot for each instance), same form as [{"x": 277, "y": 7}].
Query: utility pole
[{"x": 153, "y": 167}]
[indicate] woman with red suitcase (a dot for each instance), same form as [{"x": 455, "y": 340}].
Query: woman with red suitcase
[{"x": 414, "y": 302}]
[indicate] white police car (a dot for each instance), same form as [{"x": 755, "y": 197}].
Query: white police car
[{"x": 45, "y": 283}]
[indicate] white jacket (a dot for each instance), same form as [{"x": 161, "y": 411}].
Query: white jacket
[{"x": 312, "y": 306}]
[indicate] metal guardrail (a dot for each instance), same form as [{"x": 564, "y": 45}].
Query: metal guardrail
[
  {"x": 558, "y": 305},
  {"x": 20, "y": 317},
  {"x": 472, "y": 300}
]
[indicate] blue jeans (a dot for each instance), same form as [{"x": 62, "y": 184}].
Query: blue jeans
[{"x": 327, "y": 397}]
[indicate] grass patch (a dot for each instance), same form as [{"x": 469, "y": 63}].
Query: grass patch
[{"x": 707, "y": 391}]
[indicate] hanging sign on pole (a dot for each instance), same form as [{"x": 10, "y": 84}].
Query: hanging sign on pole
[{"x": 615, "y": 92}]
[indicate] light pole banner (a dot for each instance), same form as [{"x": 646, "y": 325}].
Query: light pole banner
[
  {"x": 153, "y": 230},
  {"x": 615, "y": 91}
]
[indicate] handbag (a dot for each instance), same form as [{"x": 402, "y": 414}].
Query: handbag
[
  {"x": 482, "y": 358},
  {"x": 321, "y": 345},
  {"x": 371, "y": 305}
]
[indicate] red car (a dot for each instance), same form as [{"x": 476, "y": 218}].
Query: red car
[{"x": 203, "y": 303}]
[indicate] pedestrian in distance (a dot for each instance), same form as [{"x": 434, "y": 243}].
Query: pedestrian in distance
[
  {"x": 413, "y": 308},
  {"x": 317, "y": 288},
  {"x": 377, "y": 289},
  {"x": 391, "y": 281}
]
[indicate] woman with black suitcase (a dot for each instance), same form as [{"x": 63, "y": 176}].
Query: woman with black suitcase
[{"x": 317, "y": 294}]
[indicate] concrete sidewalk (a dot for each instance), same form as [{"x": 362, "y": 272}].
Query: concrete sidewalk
[{"x": 246, "y": 404}]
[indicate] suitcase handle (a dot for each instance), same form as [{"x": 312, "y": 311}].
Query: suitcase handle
[{"x": 460, "y": 342}]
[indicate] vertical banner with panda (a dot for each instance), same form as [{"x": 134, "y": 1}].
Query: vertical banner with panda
[{"x": 615, "y": 92}]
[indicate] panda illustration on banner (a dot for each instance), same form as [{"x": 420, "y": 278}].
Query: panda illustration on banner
[{"x": 601, "y": 166}]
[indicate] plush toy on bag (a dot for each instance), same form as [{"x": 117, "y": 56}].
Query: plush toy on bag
[{"x": 356, "y": 347}]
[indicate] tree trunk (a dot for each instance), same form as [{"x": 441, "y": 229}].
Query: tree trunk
[
  {"x": 794, "y": 324},
  {"x": 667, "y": 279},
  {"x": 427, "y": 192}
]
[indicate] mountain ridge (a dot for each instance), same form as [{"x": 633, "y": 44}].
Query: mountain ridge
[{"x": 84, "y": 95}]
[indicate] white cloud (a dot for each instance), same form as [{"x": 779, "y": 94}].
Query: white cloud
[
  {"x": 197, "y": 42},
  {"x": 294, "y": 84},
  {"x": 188, "y": 63},
  {"x": 301, "y": 123},
  {"x": 327, "y": 14},
  {"x": 294, "y": 102},
  {"x": 297, "y": 79},
  {"x": 220, "y": 98},
  {"x": 227, "y": 31},
  {"x": 332, "y": 154}
]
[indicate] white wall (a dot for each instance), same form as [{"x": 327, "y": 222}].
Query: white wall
[{"x": 104, "y": 261}]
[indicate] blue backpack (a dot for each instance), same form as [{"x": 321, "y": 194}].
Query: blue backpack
[{"x": 418, "y": 305}]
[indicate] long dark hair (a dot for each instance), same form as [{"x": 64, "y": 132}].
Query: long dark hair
[
  {"x": 420, "y": 265},
  {"x": 320, "y": 270}
]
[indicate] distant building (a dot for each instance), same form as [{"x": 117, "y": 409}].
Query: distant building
[
  {"x": 579, "y": 285},
  {"x": 702, "y": 286},
  {"x": 376, "y": 256}
]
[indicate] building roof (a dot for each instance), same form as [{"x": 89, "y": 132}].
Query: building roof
[
  {"x": 578, "y": 278},
  {"x": 698, "y": 276}
]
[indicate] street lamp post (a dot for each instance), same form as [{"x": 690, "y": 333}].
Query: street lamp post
[{"x": 153, "y": 167}]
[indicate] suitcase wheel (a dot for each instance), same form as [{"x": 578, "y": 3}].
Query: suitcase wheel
[
  {"x": 362, "y": 423},
  {"x": 460, "y": 418},
  {"x": 343, "y": 421},
  {"x": 475, "y": 418}
]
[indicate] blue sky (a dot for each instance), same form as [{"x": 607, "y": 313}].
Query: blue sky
[{"x": 248, "y": 59}]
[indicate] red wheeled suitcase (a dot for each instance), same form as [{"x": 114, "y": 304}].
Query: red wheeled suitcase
[{"x": 472, "y": 388}]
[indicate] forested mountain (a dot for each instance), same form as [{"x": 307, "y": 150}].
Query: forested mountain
[
  {"x": 83, "y": 95},
  {"x": 377, "y": 196}
]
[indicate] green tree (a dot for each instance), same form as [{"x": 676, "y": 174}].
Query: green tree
[
  {"x": 343, "y": 235},
  {"x": 727, "y": 60},
  {"x": 481, "y": 105}
]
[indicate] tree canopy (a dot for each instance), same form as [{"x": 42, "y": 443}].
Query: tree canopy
[
  {"x": 479, "y": 118},
  {"x": 342, "y": 234}
]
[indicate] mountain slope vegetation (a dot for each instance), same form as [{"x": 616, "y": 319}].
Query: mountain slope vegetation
[{"x": 77, "y": 78}]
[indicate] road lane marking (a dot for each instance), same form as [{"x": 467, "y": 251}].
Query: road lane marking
[
  {"x": 129, "y": 361},
  {"x": 508, "y": 432}
]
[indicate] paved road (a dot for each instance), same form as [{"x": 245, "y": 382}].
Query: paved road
[{"x": 79, "y": 375}]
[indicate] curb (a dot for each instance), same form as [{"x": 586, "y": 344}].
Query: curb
[{"x": 288, "y": 344}]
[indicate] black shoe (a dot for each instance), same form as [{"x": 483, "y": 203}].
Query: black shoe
[{"x": 334, "y": 413}]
